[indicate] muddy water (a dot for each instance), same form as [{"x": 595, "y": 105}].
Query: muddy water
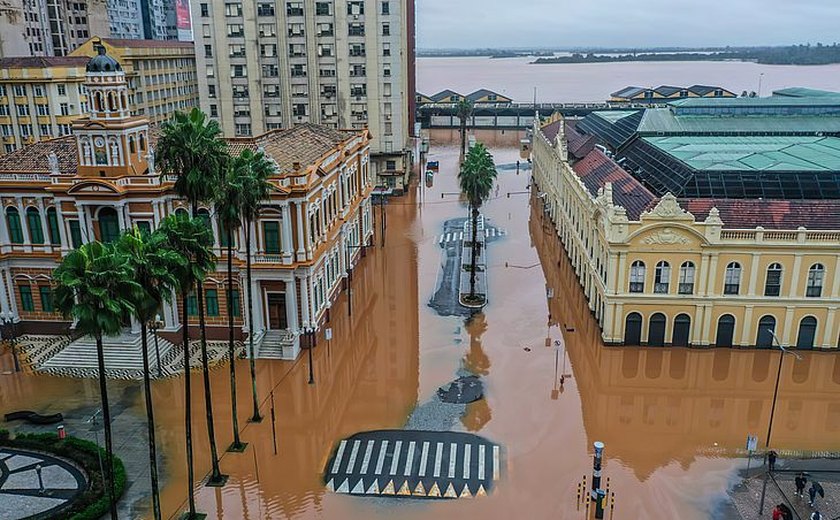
[{"x": 670, "y": 419}]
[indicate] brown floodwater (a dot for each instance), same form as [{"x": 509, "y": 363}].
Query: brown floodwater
[{"x": 671, "y": 419}]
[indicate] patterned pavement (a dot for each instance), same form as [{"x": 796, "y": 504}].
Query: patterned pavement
[{"x": 35, "y": 485}]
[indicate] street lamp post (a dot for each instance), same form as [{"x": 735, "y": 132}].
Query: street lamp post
[
  {"x": 782, "y": 352},
  {"x": 9, "y": 322},
  {"x": 349, "y": 260},
  {"x": 155, "y": 325},
  {"x": 310, "y": 343}
]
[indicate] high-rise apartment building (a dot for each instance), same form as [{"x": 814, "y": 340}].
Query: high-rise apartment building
[{"x": 341, "y": 63}]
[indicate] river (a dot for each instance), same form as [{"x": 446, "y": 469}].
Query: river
[{"x": 589, "y": 82}]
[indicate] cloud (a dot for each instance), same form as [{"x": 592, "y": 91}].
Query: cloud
[{"x": 605, "y": 23}]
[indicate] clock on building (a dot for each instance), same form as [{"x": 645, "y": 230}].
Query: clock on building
[{"x": 99, "y": 142}]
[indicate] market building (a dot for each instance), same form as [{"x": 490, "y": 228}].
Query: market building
[
  {"x": 709, "y": 222},
  {"x": 101, "y": 180}
]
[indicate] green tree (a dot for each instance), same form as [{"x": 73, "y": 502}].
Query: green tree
[
  {"x": 256, "y": 170},
  {"x": 476, "y": 177},
  {"x": 190, "y": 238},
  {"x": 95, "y": 287},
  {"x": 464, "y": 110},
  {"x": 153, "y": 266},
  {"x": 190, "y": 146},
  {"x": 229, "y": 212}
]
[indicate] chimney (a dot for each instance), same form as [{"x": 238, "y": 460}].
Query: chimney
[{"x": 296, "y": 166}]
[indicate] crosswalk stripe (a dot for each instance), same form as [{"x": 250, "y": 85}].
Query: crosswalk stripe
[
  {"x": 355, "y": 451},
  {"x": 409, "y": 459},
  {"x": 396, "y": 460},
  {"x": 366, "y": 460},
  {"x": 467, "y": 453},
  {"x": 338, "y": 456},
  {"x": 381, "y": 460},
  {"x": 438, "y": 459},
  {"x": 495, "y": 463},
  {"x": 480, "y": 462},
  {"x": 423, "y": 459},
  {"x": 453, "y": 458}
]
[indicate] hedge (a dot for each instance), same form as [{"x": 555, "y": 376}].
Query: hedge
[{"x": 94, "y": 502}]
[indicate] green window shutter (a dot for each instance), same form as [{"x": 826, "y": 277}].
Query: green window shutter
[
  {"x": 52, "y": 220},
  {"x": 33, "y": 220},
  {"x": 46, "y": 298},
  {"x": 271, "y": 233},
  {"x": 15, "y": 229},
  {"x": 192, "y": 305},
  {"x": 109, "y": 226},
  {"x": 26, "y": 298},
  {"x": 223, "y": 235},
  {"x": 204, "y": 215},
  {"x": 144, "y": 226},
  {"x": 75, "y": 234},
  {"x": 233, "y": 301},
  {"x": 211, "y": 297}
]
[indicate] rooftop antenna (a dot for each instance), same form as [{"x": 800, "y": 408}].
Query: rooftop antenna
[{"x": 760, "y": 77}]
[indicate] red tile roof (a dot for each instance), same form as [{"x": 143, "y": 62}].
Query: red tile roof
[
  {"x": 34, "y": 158},
  {"x": 22, "y": 62},
  {"x": 579, "y": 144},
  {"x": 770, "y": 214},
  {"x": 596, "y": 169}
]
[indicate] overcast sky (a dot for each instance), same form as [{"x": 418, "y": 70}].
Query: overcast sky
[{"x": 624, "y": 23}]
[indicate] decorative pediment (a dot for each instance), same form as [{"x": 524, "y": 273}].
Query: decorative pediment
[
  {"x": 668, "y": 209},
  {"x": 93, "y": 187},
  {"x": 666, "y": 236}
]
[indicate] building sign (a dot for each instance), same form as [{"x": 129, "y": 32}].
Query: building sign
[{"x": 183, "y": 23}]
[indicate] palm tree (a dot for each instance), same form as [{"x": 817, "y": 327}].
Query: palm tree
[
  {"x": 153, "y": 267},
  {"x": 229, "y": 212},
  {"x": 478, "y": 172},
  {"x": 463, "y": 110},
  {"x": 94, "y": 287},
  {"x": 191, "y": 239},
  {"x": 257, "y": 169},
  {"x": 190, "y": 147}
]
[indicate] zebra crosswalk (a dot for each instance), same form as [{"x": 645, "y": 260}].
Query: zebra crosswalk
[
  {"x": 414, "y": 463},
  {"x": 457, "y": 236}
]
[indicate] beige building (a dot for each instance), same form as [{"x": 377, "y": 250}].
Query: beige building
[
  {"x": 50, "y": 27},
  {"x": 350, "y": 64},
  {"x": 658, "y": 269},
  {"x": 41, "y": 96}
]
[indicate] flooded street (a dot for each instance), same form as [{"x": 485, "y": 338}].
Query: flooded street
[{"x": 671, "y": 419}]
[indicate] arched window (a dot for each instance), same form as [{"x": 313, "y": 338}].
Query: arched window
[
  {"x": 112, "y": 105},
  {"x": 131, "y": 145},
  {"x": 773, "y": 283},
  {"x": 142, "y": 142},
  {"x": 109, "y": 227},
  {"x": 656, "y": 330},
  {"x": 204, "y": 215},
  {"x": 807, "y": 332},
  {"x": 682, "y": 330},
  {"x": 816, "y": 275},
  {"x": 633, "y": 329},
  {"x": 181, "y": 213},
  {"x": 662, "y": 277},
  {"x": 52, "y": 221},
  {"x": 637, "y": 277},
  {"x": 33, "y": 222},
  {"x": 725, "y": 331},
  {"x": 686, "y": 278},
  {"x": 732, "y": 280},
  {"x": 15, "y": 229},
  {"x": 766, "y": 330}
]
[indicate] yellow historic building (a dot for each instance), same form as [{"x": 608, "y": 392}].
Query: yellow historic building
[
  {"x": 40, "y": 97},
  {"x": 101, "y": 180},
  {"x": 673, "y": 260}
]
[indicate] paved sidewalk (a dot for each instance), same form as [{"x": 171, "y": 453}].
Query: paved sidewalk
[{"x": 36, "y": 485}]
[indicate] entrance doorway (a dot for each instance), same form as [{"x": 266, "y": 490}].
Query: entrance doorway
[{"x": 277, "y": 311}]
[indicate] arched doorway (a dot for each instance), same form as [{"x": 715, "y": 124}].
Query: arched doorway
[
  {"x": 766, "y": 330},
  {"x": 633, "y": 329},
  {"x": 807, "y": 332},
  {"x": 656, "y": 330},
  {"x": 109, "y": 227},
  {"x": 682, "y": 330},
  {"x": 725, "y": 331}
]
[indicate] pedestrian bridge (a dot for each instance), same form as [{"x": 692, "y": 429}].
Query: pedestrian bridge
[{"x": 403, "y": 463}]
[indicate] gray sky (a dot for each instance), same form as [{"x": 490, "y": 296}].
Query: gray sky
[{"x": 624, "y": 23}]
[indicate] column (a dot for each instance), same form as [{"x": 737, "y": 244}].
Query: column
[
  {"x": 214, "y": 225},
  {"x": 5, "y": 241},
  {"x": 301, "y": 237},
  {"x": 135, "y": 326},
  {"x": 42, "y": 211},
  {"x": 258, "y": 307},
  {"x": 701, "y": 277},
  {"x": 711, "y": 278},
  {"x": 793, "y": 290},
  {"x": 621, "y": 274},
  {"x": 835, "y": 287},
  {"x": 83, "y": 227},
  {"x": 286, "y": 245},
  {"x": 4, "y": 294},
  {"x": 828, "y": 335},
  {"x": 292, "y": 306},
  {"x": 706, "y": 338},
  {"x": 127, "y": 216},
  {"x": 746, "y": 326},
  {"x": 304, "y": 299},
  {"x": 120, "y": 217},
  {"x": 12, "y": 300},
  {"x": 62, "y": 228},
  {"x": 788, "y": 326},
  {"x": 24, "y": 224},
  {"x": 253, "y": 237},
  {"x": 754, "y": 273},
  {"x": 344, "y": 262},
  {"x": 170, "y": 316}
]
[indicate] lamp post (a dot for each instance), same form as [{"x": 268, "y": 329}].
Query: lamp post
[
  {"x": 782, "y": 352},
  {"x": 9, "y": 322},
  {"x": 155, "y": 325},
  {"x": 310, "y": 343}
]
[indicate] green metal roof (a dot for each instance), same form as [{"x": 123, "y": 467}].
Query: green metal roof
[
  {"x": 665, "y": 121},
  {"x": 698, "y": 102},
  {"x": 614, "y": 115},
  {"x": 804, "y": 92},
  {"x": 753, "y": 153}
]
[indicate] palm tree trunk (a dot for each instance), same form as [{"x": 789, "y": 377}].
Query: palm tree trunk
[
  {"x": 185, "y": 324},
  {"x": 150, "y": 419},
  {"x": 463, "y": 137},
  {"x": 237, "y": 443},
  {"x": 106, "y": 421},
  {"x": 256, "y": 417},
  {"x": 474, "y": 251}
]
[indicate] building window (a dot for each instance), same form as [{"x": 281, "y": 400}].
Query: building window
[
  {"x": 267, "y": 29},
  {"x": 22, "y": 110},
  {"x": 356, "y": 29},
  {"x": 75, "y": 234},
  {"x": 33, "y": 221},
  {"x": 662, "y": 277},
  {"x": 386, "y": 29},
  {"x": 732, "y": 279},
  {"x": 211, "y": 298},
  {"x": 325, "y": 29},
  {"x": 233, "y": 302},
  {"x": 294, "y": 8},
  {"x": 233, "y": 10},
  {"x": 686, "y": 278},
  {"x": 386, "y": 49},
  {"x": 208, "y": 51},
  {"x": 52, "y": 221},
  {"x": 46, "y": 298},
  {"x": 192, "y": 305},
  {"x": 298, "y": 70},
  {"x": 243, "y": 129},
  {"x": 773, "y": 283},
  {"x": 271, "y": 236},
  {"x": 26, "y": 298},
  {"x": 323, "y": 9},
  {"x": 637, "y": 277},
  {"x": 386, "y": 8},
  {"x": 355, "y": 7},
  {"x": 20, "y": 90},
  {"x": 235, "y": 30},
  {"x": 265, "y": 9},
  {"x": 62, "y": 89},
  {"x": 766, "y": 331},
  {"x": 816, "y": 274},
  {"x": 205, "y": 11}
]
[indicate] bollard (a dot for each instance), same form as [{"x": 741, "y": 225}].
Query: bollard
[
  {"x": 61, "y": 433},
  {"x": 599, "y": 503},
  {"x": 596, "y": 467}
]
